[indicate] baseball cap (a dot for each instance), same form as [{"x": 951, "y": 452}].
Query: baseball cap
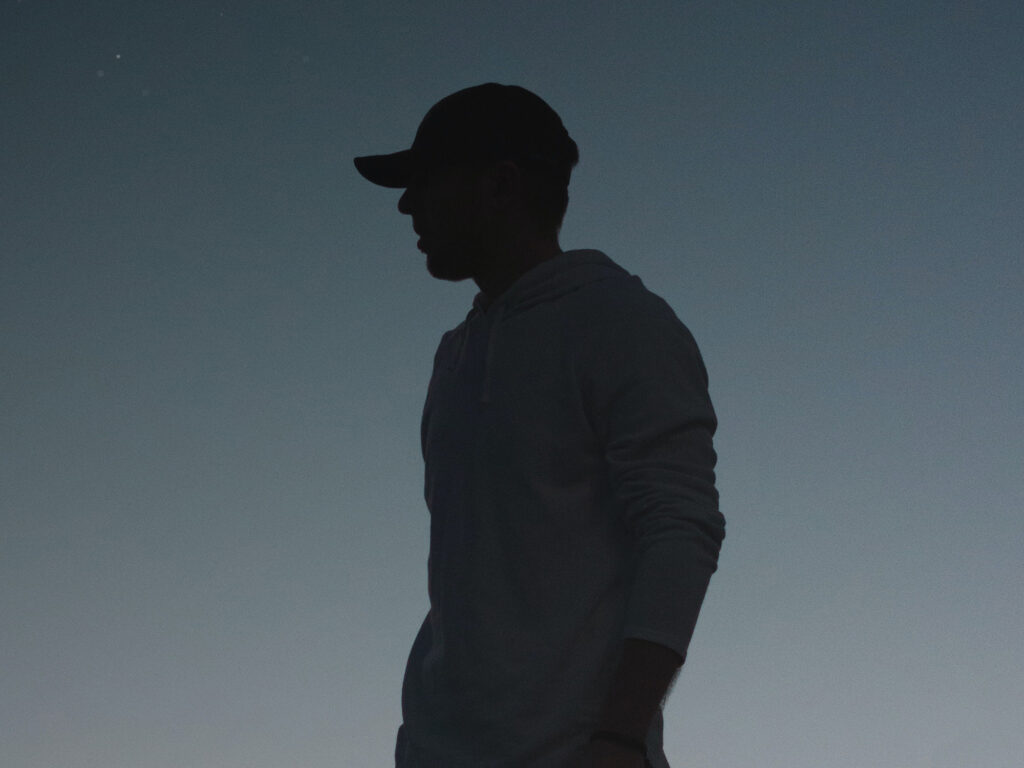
[{"x": 484, "y": 123}]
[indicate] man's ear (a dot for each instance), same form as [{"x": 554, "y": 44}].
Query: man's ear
[{"x": 503, "y": 185}]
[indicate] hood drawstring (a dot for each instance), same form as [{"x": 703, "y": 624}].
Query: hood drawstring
[
  {"x": 485, "y": 395},
  {"x": 461, "y": 333}
]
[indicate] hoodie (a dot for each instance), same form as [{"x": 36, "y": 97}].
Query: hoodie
[{"x": 569, "y": 475}]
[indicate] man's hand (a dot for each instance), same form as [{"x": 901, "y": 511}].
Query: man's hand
[{"x": 608, "y": 754}]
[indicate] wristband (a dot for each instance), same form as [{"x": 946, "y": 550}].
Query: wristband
[{"x": 618, "y": 738}]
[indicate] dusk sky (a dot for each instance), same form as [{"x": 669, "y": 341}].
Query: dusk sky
[{"x": 216, "y": 338}]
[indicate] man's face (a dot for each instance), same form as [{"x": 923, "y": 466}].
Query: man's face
[{"x": 445, "y": 209}]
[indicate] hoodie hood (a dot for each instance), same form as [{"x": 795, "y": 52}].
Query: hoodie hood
[
  {"x": 548, "y": 281},
  {"x": 551, "y": 279}
]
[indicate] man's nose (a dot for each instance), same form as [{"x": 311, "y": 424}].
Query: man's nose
[{"x": 404, "y": 203}]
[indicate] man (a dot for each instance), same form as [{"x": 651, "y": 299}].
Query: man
[{"x": 567, "y": 438}]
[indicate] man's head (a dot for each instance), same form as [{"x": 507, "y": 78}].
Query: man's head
[{"x": 488, "y": 173}]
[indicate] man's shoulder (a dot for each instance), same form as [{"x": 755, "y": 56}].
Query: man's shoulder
[
  {"x": 621, "y": 319},
  {"x": 620, "y": 300}
]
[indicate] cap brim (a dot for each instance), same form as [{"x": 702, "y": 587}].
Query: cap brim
[{"x": 394, "y": 170}]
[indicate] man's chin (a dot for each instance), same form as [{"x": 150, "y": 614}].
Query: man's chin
[{"x": 443, "y": 271}]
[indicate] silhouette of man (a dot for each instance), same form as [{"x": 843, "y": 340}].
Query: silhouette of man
[{"x": 569, "y": 466}]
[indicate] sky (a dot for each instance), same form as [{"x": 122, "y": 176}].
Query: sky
[{"x": 216, "y": 337}]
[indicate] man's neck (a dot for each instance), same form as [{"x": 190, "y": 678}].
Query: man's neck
[{"x": 507, "y": 270}]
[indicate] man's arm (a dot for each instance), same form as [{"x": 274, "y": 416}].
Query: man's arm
[{"x": 645, "y": 389}]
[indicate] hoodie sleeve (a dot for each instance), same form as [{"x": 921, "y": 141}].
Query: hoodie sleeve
[{"x": 645, "y": 391}]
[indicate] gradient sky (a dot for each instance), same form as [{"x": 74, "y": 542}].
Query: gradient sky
[{"x": 216, "y": 340}]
